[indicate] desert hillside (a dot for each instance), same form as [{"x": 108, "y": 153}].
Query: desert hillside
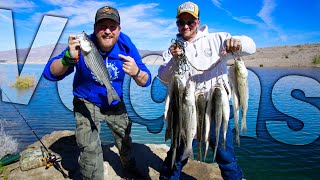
[
  {"x": 284, "y": 56},
  {"x": 277, "y": 56}
]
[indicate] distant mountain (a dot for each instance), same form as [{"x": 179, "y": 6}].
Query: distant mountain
[{"x": 38, "y": 54}]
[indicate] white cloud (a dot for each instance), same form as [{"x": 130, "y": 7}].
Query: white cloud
[
  {"x": 265, "y": 14},
  {"x": 18, "y": 5},
  {"x": 79, "y": 13},
  {"x": 49, "y": 31},
  {"x": 144, "y": 25},
  {"x": 266, "y": 24},
  {"x": 60, "y": 2},
  {"x": 216, "y": 3},
  {"x": 141, "y": 22},
  {"x": 6, "y": 30},
  {"x": 5, "y": 16},
  {"x": 246, "y": 20}
]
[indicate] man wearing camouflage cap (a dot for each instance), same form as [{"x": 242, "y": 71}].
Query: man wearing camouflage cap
[{"x": 90, "y": 97}]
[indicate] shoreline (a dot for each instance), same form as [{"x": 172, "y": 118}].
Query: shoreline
[
  {"x": 249, "y": 64},
  {"x": 295, "y": 56}
]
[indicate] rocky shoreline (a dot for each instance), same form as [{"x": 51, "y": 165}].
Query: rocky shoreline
[{"x": 149, "y": 159}]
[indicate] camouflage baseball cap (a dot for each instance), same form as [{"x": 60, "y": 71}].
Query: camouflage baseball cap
[
  {"x": 188, "y": 7},
  {"x": 107, "y": 12}
]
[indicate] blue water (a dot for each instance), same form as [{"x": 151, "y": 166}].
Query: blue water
[{"x": 283, "y": 119}]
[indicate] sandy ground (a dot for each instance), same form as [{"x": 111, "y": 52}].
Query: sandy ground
[{"x": 284, "y": 56}]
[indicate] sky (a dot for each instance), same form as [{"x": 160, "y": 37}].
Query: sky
[{"x": 151, "y": 24}]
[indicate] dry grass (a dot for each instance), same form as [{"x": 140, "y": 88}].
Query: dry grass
[
  {"x": 24, "y": 82},
  {"x": 8, "y": 145},
  {"x": 316, "y": 59}
]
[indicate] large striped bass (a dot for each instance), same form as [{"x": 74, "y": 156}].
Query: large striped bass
[
  {"x": 235, "y": 100},
  {"x": 189, "y": 119},
  {"x": 95, "y": 63},
  {"x": 242, "y": 81},
  {"x": 173, "y": 115},
  {"x": 168, "y": 112}
]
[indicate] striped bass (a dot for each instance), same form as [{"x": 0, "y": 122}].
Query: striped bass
[
  {"x": 217, "y": 114},
  {"x": 235, "y": 100},
  {"x": 173, "y": 115},
  {"x": 95, "y": 63},
  {"x": 225, "y": 114},
  {"x": 208, "y": 121},
  {"x": 168, "y": 113},
  {"x": 189, "y": 119},
  {"x": 242, "y": 82},
  {"x": 202, "y": 126}
]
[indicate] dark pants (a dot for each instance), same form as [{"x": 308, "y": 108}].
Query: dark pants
[
  {"x": 225, "y": 159},
  {"x": 88, "y": 118}
]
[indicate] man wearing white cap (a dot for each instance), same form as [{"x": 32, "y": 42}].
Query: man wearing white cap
[{"x": 207, "y": 53}]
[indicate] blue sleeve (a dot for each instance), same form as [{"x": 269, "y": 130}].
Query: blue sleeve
[
  {"x": 136, "y": 56},
  {"x": 47, "y": 72}
]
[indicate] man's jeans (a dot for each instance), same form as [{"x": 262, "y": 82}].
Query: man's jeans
[{"x": 225, "y": 159}]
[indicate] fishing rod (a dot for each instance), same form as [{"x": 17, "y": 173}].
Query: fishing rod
[
  {"x": 25, "y": 120},
  {"x": 51, "y": 159}
]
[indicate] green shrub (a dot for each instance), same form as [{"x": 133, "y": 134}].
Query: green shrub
[
  {"x": 316, "y": 59},
  {"x": 24, "y": 82},
  {"x": 2, "y": 168}
]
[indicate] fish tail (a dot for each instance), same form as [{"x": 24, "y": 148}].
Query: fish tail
[
  {"x": 236, "y": 124},
  {"x": 173, "y": 158},
  {"x": 215, "y": 151},
  {"x": 110, "y": 98},
  {"x": 206, "y": 151},
  {"x": 167, "y": 135},
  {"x": 112, "y": 95},
  {"x": 223, "y": 144},
  {"x": 217, "y": 132},
  {"x": 243, "y": 124},
  {"x": 188, "y": 153},
  {"x": 199, "y": 151}
]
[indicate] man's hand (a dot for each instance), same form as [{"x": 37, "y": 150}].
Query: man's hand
[
  {"x": 232, "y": 45},
  {"x": 176, "y": 51},
  {"x": 71, "y": 57},
  {"x": 74, "y": 46},
  {"x": 129, "y": 65}
]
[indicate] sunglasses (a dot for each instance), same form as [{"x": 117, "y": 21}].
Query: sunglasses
[{"x": 182, "y": 23}]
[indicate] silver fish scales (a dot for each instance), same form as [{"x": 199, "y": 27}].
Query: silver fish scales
[{"x": 95, "y": 63}]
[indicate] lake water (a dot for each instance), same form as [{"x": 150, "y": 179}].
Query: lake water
[{"x": 283, "y": 119}]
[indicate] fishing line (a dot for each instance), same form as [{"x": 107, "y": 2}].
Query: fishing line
[
  {"x": 24, "y": 120},
  {"x": 51, "y": 159}
]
